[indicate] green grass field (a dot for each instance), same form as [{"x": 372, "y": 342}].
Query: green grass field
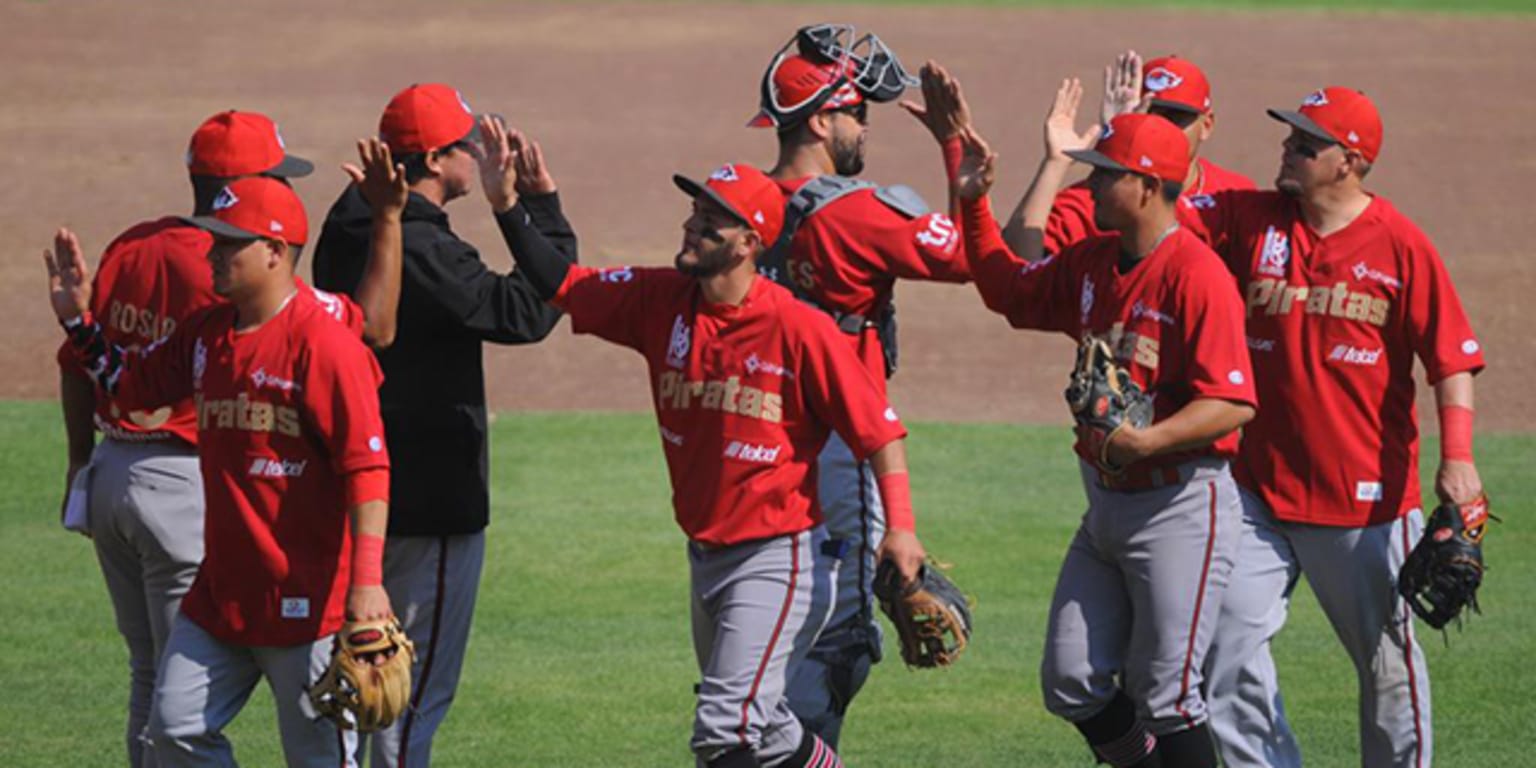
[{"x": 581, "y": 656}]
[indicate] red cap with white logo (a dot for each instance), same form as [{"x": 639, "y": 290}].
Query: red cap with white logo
[
  {"x": 256, "y": 207},
  {"x": 746, "y": 193},
  {"x": 424, "y": 117},
  {"x": 1140, "y": 143},
  {"x": 1338, "y": 115},
  {"x": 794, "y": 85},
  {"x": 234, "y": 143},
  {"x": 1174, "y": 83}
]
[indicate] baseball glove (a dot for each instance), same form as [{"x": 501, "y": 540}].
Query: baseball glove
[
  {"x": 1103, "y": 398},
  {"x": 932, "y": 617},
  {"x": 368, "y": 683},
  {"x": 1444, "y": 570}
]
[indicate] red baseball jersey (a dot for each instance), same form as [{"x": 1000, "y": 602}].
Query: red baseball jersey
[
  {"x": 1334, "y": 324},
  {"x": 284, "y": 411},
  {"x": 745, "y": 395},
  {"x": 1175, "y": 320},
  {"x": 847, "y": 256},
  {"x": 1071, "y": 216},
  {"x": 151, "y": 278}
]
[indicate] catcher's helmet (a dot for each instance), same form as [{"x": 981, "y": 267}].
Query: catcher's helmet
[{"x": 824, "y": 68}]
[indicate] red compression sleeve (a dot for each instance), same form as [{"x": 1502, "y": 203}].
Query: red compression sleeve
[
  {"x": 896, "y": 496},
  {"x": 953, "y": 151},
  {"x": 368, "y": 560},
  {"x": 1455, "y": 433}
]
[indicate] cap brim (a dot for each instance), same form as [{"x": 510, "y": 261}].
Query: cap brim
[
  {"x": 291, "y": 168},
  {"x": 1176, "y": 105},
  {"x": 762, "y": 120},
  {"x": 693, "y": 188},
  {"x": 1097, "y": 159},
  {"x": 219, "y": 228},
  {"x": 1302, "y": 123}
]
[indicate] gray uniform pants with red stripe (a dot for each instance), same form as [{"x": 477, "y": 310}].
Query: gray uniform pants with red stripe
[
  {"x": 146, "y": 518},
  {"x": 1138, "y": 597},
  {"x": 204, "y": 682},
  {"x": 757, "y": 608},
  {"x": 1353, "y": 573},
  {"x": 432, "y": 582}
]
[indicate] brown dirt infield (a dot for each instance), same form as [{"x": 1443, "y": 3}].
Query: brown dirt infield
[{"x": 101, "y": 97}]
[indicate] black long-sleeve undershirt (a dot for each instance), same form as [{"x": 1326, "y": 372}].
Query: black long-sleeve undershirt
[{"x": 534, "y": 230}]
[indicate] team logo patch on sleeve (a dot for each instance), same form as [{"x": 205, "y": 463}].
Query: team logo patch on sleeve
[
  {"x": 677, "y": 348},
  {"x": 1275, "y": 253},
  {"x": 1470, "y": 347},
  {"x": 940, "y": 233}
]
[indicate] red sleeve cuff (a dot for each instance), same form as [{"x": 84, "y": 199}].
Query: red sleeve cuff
[{"x": 368, "y": 484}]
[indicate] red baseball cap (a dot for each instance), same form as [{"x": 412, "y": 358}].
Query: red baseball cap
[
  {"x": 1140, "y": 143},
  {"x": 1175, "y": 83},
  {"x": 242, "y": 144},
  {"x": 794, "y": 83},
  {"x": 1339, "y": 115},
  {"x": 746, "y": 193},
  {"x": 256, "y": 207},
  {"x": 426, "y": 116}
]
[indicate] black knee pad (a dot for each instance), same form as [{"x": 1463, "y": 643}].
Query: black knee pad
[
  {"x": 1189, "y": 748},
  {"x": 1118, "y": 737}
]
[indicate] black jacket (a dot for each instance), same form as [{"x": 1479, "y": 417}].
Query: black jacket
[{"x": 433, "y": 398}]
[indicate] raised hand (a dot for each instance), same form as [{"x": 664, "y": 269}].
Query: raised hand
[
  {"x": 533, "y": 177},
  {"x": 1061, "y": 124},
  {"x": 381, "y": 181},
  {"x": 498, "y": 169},
  {"x": 69, "y": 280},
  {"x": 978, "y": 166},
  {"x": 944, "y": 110},
  {"x": 1122, "y": 87}
]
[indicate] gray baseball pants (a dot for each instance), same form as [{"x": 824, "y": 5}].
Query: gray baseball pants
[
  {"x": 825, "y": 682},
  {"x": 146, "y": 522},
  {"x": 204, "y": 683},
  {"x": 432, "y": 582},
  {"x": 757, "y": 608},
  {"x": 1138, "y": 597},
  {"x": 1353, "y": 573}
]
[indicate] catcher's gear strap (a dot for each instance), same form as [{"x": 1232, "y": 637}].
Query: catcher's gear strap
[{"x": 813, "y": 196}]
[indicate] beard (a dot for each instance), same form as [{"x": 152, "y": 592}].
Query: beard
[
  {"x": 847, "y": 157},
  {"x": 705, "y": 263},
  {"x": 1288, "y": 186}
]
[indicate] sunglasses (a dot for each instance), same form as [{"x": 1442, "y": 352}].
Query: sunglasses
[{"x": 1305, "y": 146}]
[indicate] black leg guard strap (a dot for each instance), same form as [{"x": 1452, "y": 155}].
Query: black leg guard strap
[
  {"x": 812, "y": 753},
  {"x": 1191, "y": 747},
  {"x": 736, "y": 758},
  {"x": 1118, "y": 738}
]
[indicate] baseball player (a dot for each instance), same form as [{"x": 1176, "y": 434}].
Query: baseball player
[
  {"x": 748, "y": 383},
  {"x": 1342, "y": 292},
  {"x": 844, "y": 244},
  {"x": 145, "y": 495},
  {"x": 1170, "y": 87},
  {"x": 1136, "y": 602},
  {"x": 433, "y": 399},
  {"x": 290, "y": 449}
]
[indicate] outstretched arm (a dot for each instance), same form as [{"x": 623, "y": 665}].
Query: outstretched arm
[
  {"x": 383, "y": 185},
  {"x": 1061, "y": 135},
  {"x": 945, "y": 113},
  {"x": 514, "y": 167},
  {"x": 1122, "y": 88}
]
